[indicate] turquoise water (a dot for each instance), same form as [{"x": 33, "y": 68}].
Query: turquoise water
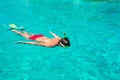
[{"x": 93, "y": 29}]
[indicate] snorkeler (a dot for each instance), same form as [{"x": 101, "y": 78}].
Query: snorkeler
[{"x": 41, "y": 40}]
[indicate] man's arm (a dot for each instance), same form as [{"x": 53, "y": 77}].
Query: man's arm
[{"x": 56, "y": 36}]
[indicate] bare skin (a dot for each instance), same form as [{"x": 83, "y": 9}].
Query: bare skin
[{"x": 41, "y": 41}]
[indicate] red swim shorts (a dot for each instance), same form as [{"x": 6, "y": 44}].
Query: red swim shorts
[{"x": 34, "y": 37}]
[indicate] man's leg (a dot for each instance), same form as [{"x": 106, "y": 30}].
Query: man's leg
[{"x": 24, "y": 34}]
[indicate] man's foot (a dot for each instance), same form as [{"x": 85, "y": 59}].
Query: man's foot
[{"x": 13, "y": 26}]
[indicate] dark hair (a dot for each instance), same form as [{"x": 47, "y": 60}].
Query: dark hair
[{"x": 64, "y": 41}]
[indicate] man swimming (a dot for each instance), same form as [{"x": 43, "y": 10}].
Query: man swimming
[{"x": 42, "y": 40}]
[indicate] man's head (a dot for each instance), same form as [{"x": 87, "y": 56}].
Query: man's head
[{"x": 64, "y": 42}]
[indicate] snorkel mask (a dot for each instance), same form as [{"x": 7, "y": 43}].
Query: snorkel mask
[{"x": 63, "y": 44}]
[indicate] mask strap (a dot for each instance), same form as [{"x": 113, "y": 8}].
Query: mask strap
[{"x": 62, "y": 45}]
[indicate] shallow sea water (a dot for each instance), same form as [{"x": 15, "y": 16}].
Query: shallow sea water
[{"x": 93, "y": 29}]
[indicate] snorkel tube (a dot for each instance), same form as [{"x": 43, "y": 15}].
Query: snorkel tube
[{"x": 65, "y": 37}]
